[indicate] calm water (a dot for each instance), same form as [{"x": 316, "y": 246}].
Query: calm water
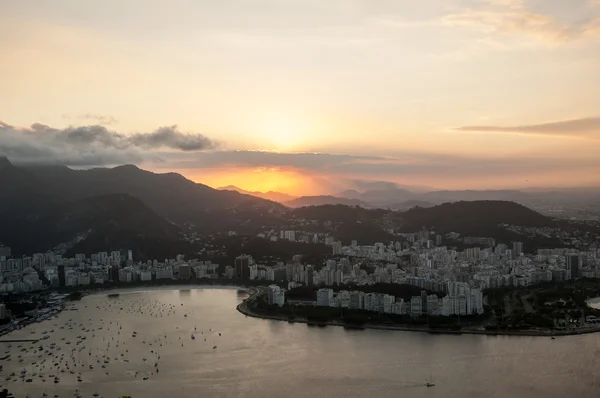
[{"x": 261, "y": 358}]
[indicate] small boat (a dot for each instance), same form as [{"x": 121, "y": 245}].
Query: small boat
[{"x": 193, "y": 337}]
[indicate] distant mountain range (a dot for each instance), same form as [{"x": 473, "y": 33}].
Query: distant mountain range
[
  {"x": 298, "y": 201},
  {"x": 324, "y": 200},
  {"x": 270, "y": 195},
  {"x": 397, "y": 197},
  {"x": 390, "y": 198},
  {"x": 126, "y": 207},
  {"x": 40, "y": 198}
]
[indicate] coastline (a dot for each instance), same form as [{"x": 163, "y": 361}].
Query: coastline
[
  {"x": 256, "y": 290},
  {"x": 7, "y": 329},
  {"x": 243, "y": 309}
]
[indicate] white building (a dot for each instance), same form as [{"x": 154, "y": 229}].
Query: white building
[
  {"x": 276, "y": 295},
  {"x": 324, "y": 296},
  {"x": 145, "y": 276}
]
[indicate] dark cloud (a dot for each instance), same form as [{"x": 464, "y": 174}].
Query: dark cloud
[
  {"x": 587, "y": 127},
  {"x": 172, "y": 138},
  {"x": 311, "y": 161},
  {"x": 93, "y": 145}
]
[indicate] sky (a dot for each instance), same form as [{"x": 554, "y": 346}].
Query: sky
[{"x": 308, "y": 96}]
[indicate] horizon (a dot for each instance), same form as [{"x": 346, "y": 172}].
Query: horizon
[
  {"x": 378, "y": 186},
  {"x": 309, "y": 97}
]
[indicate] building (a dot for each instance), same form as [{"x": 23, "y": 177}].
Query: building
[
  {"x": 242, "y": 267},
  {"x": 356, "y": 300},
  {"x": 62, "y": 280},
  {"x": 517, "y": 249},
  {"x": 309, "y": 277},
  {"x": 572, "y": 263},
  {"x": 3, "y": 313},
  {"x": 114, "y": 273},
  {"x": 4, "y": 252},
  {"x": 324, "y": 297},
  {"x": 185, "y": 272},
  {"x": 416, "y": 306},
  {"x": 337, "y": 248},
  {"x": 276, "y": 295}
]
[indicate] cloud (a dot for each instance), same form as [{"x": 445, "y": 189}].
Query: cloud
[
  {"x": 172, "y": 138},
  {"x": 264, "y": 159},
  {"x": 515, "y": 17},
  {"x": 100, "y": 119},
  {"x": 95, "y": 118},
  {"x": 397, "y": 167},
  {"x": 586, "y": 127},
  {"x": 94, "y": 145}
]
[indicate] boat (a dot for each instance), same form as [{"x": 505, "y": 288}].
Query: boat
[
  {"x": 193, "y": 337},
  {"x": 113, "y": 295},
  {"x": 430, "y": 383}
]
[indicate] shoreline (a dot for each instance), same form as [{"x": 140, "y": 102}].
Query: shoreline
[
  {"x": 243, "y": 309},
  {"x": 111, "y": 290},
  {"x": 255, "y": 290}
]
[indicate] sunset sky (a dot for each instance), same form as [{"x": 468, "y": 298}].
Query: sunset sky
[{"x": 308, "y": 96}]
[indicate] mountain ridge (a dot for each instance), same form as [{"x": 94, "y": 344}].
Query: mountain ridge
[
  {"x": 319, "y": 200},
  {"x": 269, "y": 195}
]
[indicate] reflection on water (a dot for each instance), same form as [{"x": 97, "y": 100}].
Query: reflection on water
[{"x": 262, "y": 358}]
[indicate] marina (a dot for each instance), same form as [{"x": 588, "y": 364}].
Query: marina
[{"x": 94, "y": 351}]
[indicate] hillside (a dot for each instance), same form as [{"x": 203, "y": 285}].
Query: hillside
[
  {"x": 410, "y": 204},
  {"x": 112, "y": 221},
  {"x": 346, "y": 223},
  {"x": 170, "y": 195},
  {"x": 338, "y": 213},
  {"x": 20, "y": 191},
  {"x": 474, "y": 217},
  {"x": 324, "y": 200},
  {"x": 475, "y": 195}
]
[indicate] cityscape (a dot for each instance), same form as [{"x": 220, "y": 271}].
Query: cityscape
[
  {"x": 281, "y": 199},
  {"x": 452, "y": 282}
]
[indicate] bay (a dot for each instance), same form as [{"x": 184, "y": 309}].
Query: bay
[{"x": 265, "y": 358}]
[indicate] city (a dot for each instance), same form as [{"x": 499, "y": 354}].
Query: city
[
  {"x": 292, "y": 198},
  {"x": 449, "y": 282}
]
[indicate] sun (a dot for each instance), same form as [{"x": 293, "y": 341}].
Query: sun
[{"x": 281, "y": 134}]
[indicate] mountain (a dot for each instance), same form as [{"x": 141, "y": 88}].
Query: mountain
[
  {"x": 170, "y": 195},
  {"x": 19, "y": 190},
  {"x": 348, "y": 223},
  {"x": 270, "y": 195},
  {"x": 473, "y": 195},
  {"x": 475, "y": 217},
  {"x": 324, "y": 200},
  {"x": 380, "y": 197},
  {"x": 109, "y": 222},
  {"x": 409, "y": 204}
]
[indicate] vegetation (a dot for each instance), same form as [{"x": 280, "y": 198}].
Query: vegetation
[{"x": 546, "y": 306}]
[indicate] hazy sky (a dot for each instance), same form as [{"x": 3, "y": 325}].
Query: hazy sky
[{"x": 308, "y": 95}]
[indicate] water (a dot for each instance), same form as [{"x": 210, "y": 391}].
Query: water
[{"x": 262, "y": 358}]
